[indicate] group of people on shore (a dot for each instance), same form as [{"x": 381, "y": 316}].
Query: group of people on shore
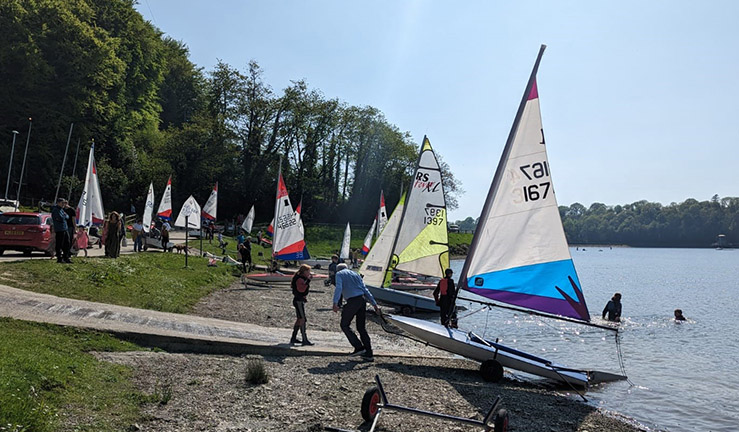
[{"x": 68, "y": 235}]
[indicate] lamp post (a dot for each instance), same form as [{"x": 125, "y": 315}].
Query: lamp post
[{"x": 10, "y": 164}]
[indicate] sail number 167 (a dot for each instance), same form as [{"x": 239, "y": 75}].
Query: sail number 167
[{"x": 539, "y": 191}]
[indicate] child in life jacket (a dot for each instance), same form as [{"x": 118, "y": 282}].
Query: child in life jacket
[{"x": 445, "y": 295}]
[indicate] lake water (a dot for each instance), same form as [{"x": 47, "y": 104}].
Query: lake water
[{"x": 683, "y": 377}]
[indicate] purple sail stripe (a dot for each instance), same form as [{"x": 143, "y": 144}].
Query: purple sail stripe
[
  {"x": 534, "y": 94},
  {"x": 543, "y": 304}
]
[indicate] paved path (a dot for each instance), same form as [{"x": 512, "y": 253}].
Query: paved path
[{"x": 188, "y": 333}]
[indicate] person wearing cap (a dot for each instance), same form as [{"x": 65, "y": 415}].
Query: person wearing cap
[
  {"x": 351, "y": 286},
  {"x": 445, "y": 295},
  {"x": 60, "y": 220}
]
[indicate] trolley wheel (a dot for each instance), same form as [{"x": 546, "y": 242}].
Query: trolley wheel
[
  {"x": 406, "y": 311},
  {"x": 500, "y": 424},
  {"x": 491, "y": 370},
  {"x": 369, "y": 403}
]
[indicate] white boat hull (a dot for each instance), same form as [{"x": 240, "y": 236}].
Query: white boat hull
[
  {"x": 464, "y": 344},
  {"x": 402, "y": 299}
]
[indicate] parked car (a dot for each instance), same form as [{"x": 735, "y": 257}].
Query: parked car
[
  {"x": 26, "y": 232},
  {"x": 453, "y": 228}
]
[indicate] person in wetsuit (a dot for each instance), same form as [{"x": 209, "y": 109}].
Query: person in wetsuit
[
  {"x": 445, "y": 295},
  {"x": 301, "y": 286},
  {"x": 613, "y": 308}
]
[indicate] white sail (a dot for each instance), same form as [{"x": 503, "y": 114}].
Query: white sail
[
  {"x": 422, "y": 243},
  {"x": 165, "y": 205},
  {"x": 249, "y": 221},
  {"x": 382, "y": 214},
  {"x": 211, "y": 206},
  {"x": 148, "y": 208},
  {"x": 288, "y": 242},
  {"x": 90, "y": 206},
  {"x": 191, "y": 210},
  {"x": 344, "y": 253},
  {"x": 519, "y": 254},
  {"x": 375, "y": 266},
  {"x": 367, "y": 245}
]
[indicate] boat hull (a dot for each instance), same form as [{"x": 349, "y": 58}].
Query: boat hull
[
  {"x": 464, "y": 344},
  {"x": 402, "y": 299},
  {"x": 412, "y": 286}
]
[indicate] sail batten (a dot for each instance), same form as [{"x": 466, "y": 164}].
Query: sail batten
[{"x": 519, "y": 254}]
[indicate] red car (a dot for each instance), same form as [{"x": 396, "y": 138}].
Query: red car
[{"x": 26, "y": 232}]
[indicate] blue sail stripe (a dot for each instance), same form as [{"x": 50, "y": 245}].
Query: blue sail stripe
[{"x": 535, "y": 280}]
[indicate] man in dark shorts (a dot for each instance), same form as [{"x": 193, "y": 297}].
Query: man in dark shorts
[{"x": 300, "y": 286}]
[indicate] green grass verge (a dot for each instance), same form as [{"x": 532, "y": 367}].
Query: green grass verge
[
  {"x": 148, "y": 280},
  {"x": 49, "y": 381}
]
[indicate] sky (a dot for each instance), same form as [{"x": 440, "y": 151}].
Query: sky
[{"x": 637, "y": 97}]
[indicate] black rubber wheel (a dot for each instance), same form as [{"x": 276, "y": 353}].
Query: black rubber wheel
[
  {"x": 2, "y": 251},
  {"x": 369, "y": 403},
  {"x": 27, "y": 252},
  {"x": 406, "y": 311},
  {"x": 491, "y": 370},
  {"x": 500, "y": 424},
  {"x": 317, "y": 267},
  {"x": 50, "y": 252}
]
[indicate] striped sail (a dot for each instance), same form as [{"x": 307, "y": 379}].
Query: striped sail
[
  {"x": 367, "y": 245},
  {"x": 519, "y": 254},
  {"x": 374, "y": 269},
  {"x": 422, "y": 244},
  {"x": 165, "y": 205},
  {"x": 288, "y": 243},
  {"x": 211, "y": 206}
]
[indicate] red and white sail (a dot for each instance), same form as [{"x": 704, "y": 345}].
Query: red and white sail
[
  {"x": 211, "y": 206},
  {"x": 148, "y": 208},
  {"x": 381, "y": 214},
  {"x": 368, "y": 239},
  {"x": 165, "y": 206},
  {"x": 90, "y": 207},
  {"x": 288, "y": 243}
]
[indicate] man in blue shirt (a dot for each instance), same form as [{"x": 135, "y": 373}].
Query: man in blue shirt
[
  {"x": 61, "y": 222},
  {"x": 350, "y": 285}
]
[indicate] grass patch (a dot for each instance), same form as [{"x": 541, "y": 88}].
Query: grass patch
[
  {"x": 155, "y": 281},
  {"x": 256, "y": 372},
  {"x": 49, "y": 381}
]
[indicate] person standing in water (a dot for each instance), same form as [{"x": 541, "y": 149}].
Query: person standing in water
[
  {"x": 613, "y": 308},
  {"x": 679, "y": 315}
]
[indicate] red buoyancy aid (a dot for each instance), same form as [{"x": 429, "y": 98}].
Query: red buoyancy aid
[{"x": 443, "y": 286}]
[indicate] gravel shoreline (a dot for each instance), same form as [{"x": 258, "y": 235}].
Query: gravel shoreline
[{"x": 309, "y": 393}]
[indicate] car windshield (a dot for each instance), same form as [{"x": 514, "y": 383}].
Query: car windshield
[{"x": 7, "y": 219}]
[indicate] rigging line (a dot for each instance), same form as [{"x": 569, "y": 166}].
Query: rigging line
[{"x": 621, "y": 361}]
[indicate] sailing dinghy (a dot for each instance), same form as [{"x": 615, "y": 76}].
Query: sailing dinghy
[
  {"x": 518, "y": 256},
  {"x": 90, "y": 207},
  {"x": 288, "y": 236},
  {"x": 414, "y": 239}
]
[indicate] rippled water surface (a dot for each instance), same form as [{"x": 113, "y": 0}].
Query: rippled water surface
[{"x": 683, "y": 376}]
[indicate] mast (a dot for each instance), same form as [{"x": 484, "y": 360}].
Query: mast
[
  {"x": 499, "y": 171},
  {"x": 277, "y": 203}
]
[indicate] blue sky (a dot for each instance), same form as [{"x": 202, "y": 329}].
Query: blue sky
[{"x": 637, "y": 97}]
